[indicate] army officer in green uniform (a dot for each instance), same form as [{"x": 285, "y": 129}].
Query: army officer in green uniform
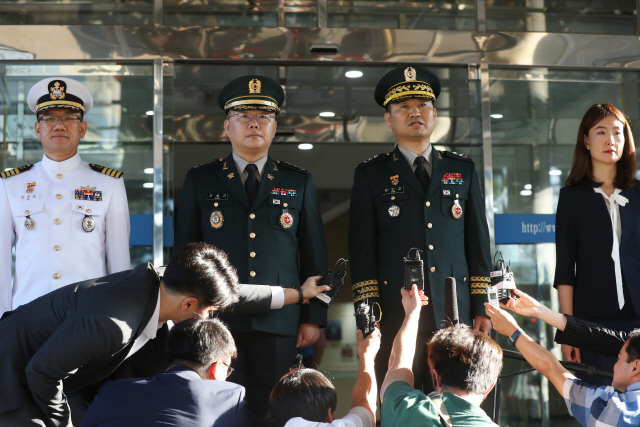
[
  {"x": 417, "y": 197},
  {"x": 263, "y": 213}
]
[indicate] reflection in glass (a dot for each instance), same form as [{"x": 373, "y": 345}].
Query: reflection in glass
[
  {"x": 77, "y": 12},
  {"x": 581, "y": 16}
]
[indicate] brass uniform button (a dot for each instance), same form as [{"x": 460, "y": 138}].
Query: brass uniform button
[
  {"x": 252, "y": 235},
  {"x": 88, "y": 210},
  {"x": 56, "y": 248},
  {"x": 285, "y": 205},
  {"x": 56, "y": 276},
  {"x": 252, "y": 216},
  {"x": 58, "y": 196},
  {"x": 464, "y": 280},
  {"x": 432, "y": 269},
  {"x": 26, "y": 212},
  {"x": 57, "y": 221},
  {"x": 385, "y": 282},
  {"x": 252, "y": 254},
  {"x": 393, "y": 197},
  {"x": 430, "y": 247},
  {"x": 457, "y": 197},
  {"x": 429, "y": 225},
  {"x": 427, "y": 204},
  {"x": 215, "y": 205},
  {"x": 252, "y": 274},
  {"x": 59, "y": 176}
]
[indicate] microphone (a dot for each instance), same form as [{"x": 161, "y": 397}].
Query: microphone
[{"x": 450, "y": 302}]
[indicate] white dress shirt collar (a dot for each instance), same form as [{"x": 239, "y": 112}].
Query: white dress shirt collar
[
  {"x": 149, "y": 332},
  {"x": 62, "y": 166}
]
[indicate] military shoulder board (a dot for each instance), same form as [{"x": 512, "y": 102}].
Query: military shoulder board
[
  {"x": 105, "y": 170},
  {"x": 16, "y": 171},
  {"x": 459, "y": 156},
  {"x": 291, "y": 166},
  {"x": 207, "y": 163},
  {"x": 375, "y": 159}
]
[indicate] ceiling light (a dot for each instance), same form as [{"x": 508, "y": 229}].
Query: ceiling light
[
  {"x": 327, "y": 114},
  {"x": 354, "y": 74},
  {"x": 149, "y": 113},
  {"x": 148, "y": 185},
  {"x": 496, "y": 116},
  {"x": 526, "y": 193},
  {"x": 555, "y": 172},
  {"x": 527, "y": 187},
  {"x": 305, "y": 146},
  {"x": 148, "y": 171}
]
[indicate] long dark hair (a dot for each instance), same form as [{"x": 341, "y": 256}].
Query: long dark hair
[{"x": 581, "y": 174}]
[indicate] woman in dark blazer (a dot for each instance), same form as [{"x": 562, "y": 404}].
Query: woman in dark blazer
[{"x": 598, "y": 231}]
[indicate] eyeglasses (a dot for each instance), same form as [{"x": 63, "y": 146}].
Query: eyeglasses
[
  {"x": 263, "y": 119},
  {"x": 53, "y": 120},
  {"x": 229, "y": 369}
]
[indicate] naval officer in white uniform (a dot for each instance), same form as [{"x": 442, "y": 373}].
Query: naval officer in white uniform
[{"x": 68, "y": 220}]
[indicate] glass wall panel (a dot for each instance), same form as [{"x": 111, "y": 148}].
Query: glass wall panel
[
  {"x": 270, "y": 13},
  {"x": 76, "y": 12},
  {"x": 573, "y": 16},
  {"x": 442, "y": 15},
  {"x": 535, "y": 115},
  {"x": 119, "y": 132}
]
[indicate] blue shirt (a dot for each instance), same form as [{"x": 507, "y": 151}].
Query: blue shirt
[{"x": 602, "y": 406}]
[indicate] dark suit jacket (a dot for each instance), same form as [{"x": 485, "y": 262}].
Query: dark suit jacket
[
  {"x": 583, "y": 252},
  {"x": 591, "y": 336},
  {"x": 254, "y": 237},
  {"x": 378, "y": 242},
  {"x": 177, "y": 397},
  {"x": 79, "y": 334}
]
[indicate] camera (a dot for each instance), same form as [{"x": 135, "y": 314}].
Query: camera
[
  {"x": 365, "y": 319},
  {"x": 334, "y": 279},
  {"x": 503, "y": 283},
  {"x": 413, "y": 271}
]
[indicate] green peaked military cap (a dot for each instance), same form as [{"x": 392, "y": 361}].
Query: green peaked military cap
[
  {"x": 405, "y": 83},
  {"x": 251, "y": 93}
]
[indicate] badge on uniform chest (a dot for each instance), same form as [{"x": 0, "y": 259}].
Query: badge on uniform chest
[
  {"x": 286, "y": 219},
  {"x": 88, "y": 193},
  {"x": 216, "y": 219},
  {"x": 456, "y": 209},
  {"x": 88, "y": 224}
]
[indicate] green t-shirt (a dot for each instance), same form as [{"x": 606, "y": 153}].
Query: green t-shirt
[{"x": 405, "y": 406}]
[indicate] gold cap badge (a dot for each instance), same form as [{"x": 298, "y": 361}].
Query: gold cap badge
[
  {"x": 255, "y": 86},
  {"x": 57, "y": 91},
  {"x": 409, "y": 74}
]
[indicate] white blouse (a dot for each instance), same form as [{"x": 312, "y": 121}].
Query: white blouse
[{"x": 613, "y": 204}]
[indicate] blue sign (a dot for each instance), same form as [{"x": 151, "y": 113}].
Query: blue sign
[
  {"x": 525, "y": 228},
  {"x": 142, "y": 230}
]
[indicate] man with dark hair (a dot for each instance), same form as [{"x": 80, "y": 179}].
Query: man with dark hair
[
  {"x": 604, "y": 406},
  {"x": 306, "y": 398},
  {"x": 79, "y": 334},
  {"x": 197, "y": 349},
  {"x": 264, "y": 213},
  {"x": 464, "y": 364}
]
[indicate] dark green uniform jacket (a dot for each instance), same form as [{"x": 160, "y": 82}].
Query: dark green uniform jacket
[
  {"x": 259, "y": 246},
  {"x": 378, "y": 240}
]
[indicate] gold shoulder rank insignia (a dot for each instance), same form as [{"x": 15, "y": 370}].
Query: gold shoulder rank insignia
[
  {"x": 291, "y": 166},
  {"x": 105, "y": 170},
  {"x": 210, "y": 162},
  {"x": 15, "y": 171}
]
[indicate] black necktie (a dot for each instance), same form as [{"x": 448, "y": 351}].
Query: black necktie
[
  {"x": 421, "y": 174},
  {"x": 251, "y": 184}
]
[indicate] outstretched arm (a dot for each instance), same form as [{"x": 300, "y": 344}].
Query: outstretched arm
[
  {"x": 541, "y": 359},
  {"x": 365, "y": 389},
  {"x": 404, "y": 345}
]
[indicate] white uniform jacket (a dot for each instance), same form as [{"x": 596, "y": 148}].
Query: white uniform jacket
[{"x": 57, "y": 250}]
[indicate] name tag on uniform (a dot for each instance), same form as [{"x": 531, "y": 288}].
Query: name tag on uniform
[
  {"x": 218, "y": 196},
  {"x": 29, "y": 197},
  {"x": 394, "y": 190}
]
